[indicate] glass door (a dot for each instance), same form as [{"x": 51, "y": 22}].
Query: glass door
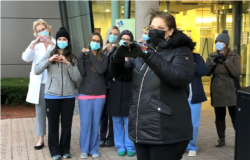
[
  {"x": 202, "y": 21},
  {"x": 245, "y": 45}
]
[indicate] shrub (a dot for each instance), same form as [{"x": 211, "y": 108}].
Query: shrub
[{"x": 14, "y": 90}]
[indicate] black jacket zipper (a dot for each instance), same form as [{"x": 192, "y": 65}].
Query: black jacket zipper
[
  {"x": 50, "y": 83},
  {"x": 138, "y": 102},
  {"x": 62, "y": 77},
  {"x": 121, "y": 99}
]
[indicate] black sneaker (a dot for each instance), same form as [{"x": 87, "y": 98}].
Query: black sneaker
[
  {"x": 220, "y": 143},
  {"x": 102, "y": 143},
  {"x": 109, "y": 143}
]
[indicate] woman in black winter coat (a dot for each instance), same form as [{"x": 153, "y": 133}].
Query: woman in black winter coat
[
  {"x": 159, "y": 115},
  {"x": 120, "y": 94},
  {"x": 110, "y": 42}
]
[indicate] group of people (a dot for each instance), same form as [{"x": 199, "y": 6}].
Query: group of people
[{"x": 146, "y": 94}]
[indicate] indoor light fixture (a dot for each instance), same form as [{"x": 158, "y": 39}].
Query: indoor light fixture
[
  {"x": 107, "y": 10},
  {"x": 165, "y": 10},
  {"x": 248, "y": 10}
]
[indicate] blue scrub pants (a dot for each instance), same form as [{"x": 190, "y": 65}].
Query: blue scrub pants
[
  {"x": 196, "y": 114},
  {"x": 122, "y": 141},
  {"x": 90, "y": 114}
]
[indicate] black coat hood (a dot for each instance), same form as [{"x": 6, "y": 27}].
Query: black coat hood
[
  {"x": 177, "y": 40},
  {"x": 180, "y": 39}
]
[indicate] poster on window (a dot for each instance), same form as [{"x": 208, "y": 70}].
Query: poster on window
[{"x": 126, "y": 24}]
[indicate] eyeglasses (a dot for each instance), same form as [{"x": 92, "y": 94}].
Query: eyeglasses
[
  {"x": 94, "y": 40},
  {"x": 125, "y": 40}
]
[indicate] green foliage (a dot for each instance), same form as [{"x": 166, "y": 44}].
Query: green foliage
[{"x": 14, "y": 90}]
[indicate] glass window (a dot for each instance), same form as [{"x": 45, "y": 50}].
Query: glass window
[
  {"x": 245, "y": 45},
  {"x": 132, "y": 10},
  {"x": 102, "y": 15},
  {"x": 202, "y": 21}
]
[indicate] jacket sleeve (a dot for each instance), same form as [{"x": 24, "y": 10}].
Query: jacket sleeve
[
  {"x": 179, "y": 72},
  {"x": 73, "y": 71},
  {"x": 122, "y": 70},
  {"x": 234, "y": 66},
  {"x": 200, "y": 67},
  {"x": 101, "y": 65},
  {"x": 108, "y": 73},
  {"x": 210, "y": 65},
  {"x": 28, "y": 54},
  {"x": 80, "y": 64},
  {"x": 42, "y": 64}
]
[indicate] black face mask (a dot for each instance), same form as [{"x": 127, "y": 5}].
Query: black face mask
[{"x": 155, "y": 35}]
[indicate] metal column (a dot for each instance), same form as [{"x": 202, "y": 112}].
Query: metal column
[
  {"x": 115, "y": 11},
  {"x": 237, "y": 24},
  {"x": 64, "y": 14}
]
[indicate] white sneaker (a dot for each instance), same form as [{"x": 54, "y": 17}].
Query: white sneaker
[
  {"x": 192, "y": 153},
  {"x": 84, "y": 155},
  {"x": 96, "y": 155}
]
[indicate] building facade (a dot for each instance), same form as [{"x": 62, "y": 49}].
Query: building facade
[
  {"x": 201, "y": 20},
  {"x": 16, "y": 32}
]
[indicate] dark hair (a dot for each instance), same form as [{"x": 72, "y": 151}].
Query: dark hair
[
  {"x": 226, "y": 51},
  {"x": 168, "y": 19},
  {"x": 99, "y": 51},
  {"x": 67, "y": 52}
]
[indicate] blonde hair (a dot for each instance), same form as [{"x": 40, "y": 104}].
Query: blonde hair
[
  {"x": 39, "y": 22},
  {"x": 106, "y": 39},
  {"x": 146, "y": 28}
]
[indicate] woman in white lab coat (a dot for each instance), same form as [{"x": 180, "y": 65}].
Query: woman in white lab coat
[{"x": 34, "y": 52}]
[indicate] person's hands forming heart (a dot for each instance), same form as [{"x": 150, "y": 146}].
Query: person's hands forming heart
[
  {"x": 54, "y": 58},
  {"x": 85, "y": 50},
  {"x": 62, "y": 59}
]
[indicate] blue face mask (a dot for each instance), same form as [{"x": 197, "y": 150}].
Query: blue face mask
[
  {"x": 62, "y": 44},
  {"x": 219, "y": 46},
  {"x": 145, "y": 37},
  {"x": 46, "y": 33},
  {"x": 94, "y": 46},
  {"x": 112, "y": 38},
  {"x": 121, "y": 42}
]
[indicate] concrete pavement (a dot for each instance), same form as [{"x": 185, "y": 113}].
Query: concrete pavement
[{"x": 18, "y": 138}]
